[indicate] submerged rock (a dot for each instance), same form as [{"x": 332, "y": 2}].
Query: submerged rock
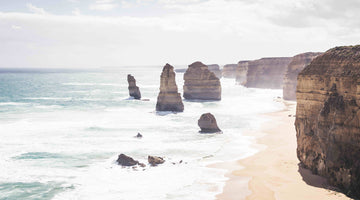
[
  {"x": 139, "y": 135},
  {"x": 134, "y": 90},
  {"x": 169, "y": 99},
  {"x": 154, "y": 160},
  {"x": 200, "y": 83},
  {"x": 207, "y": 124},
  {"x": 328, "y": 117},
  {"x": 127, "y": 161}
]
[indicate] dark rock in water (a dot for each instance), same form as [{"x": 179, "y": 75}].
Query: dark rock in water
[
  {"x": 200, "y": 83},
  {"x": 154, "y": 160},
  {"x": 139, "y": 135},
  {"x": 207, "y": 123},
  {"x": 169, "y": 99},
  {"x": 127, "y": 161},
  {"x": 133, "y": 89}
]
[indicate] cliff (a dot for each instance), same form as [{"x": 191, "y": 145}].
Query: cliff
[
  {"x": 298, "y": 63},
  {"x": 169, "y": 99},
  {"x": 267, "y": 72},
  {"x": 328, "y": 117},
  {"x": 241, "y": 72},
  {"x": 216, "y": 69},
  {"x": 229, "y": 71},
  {"x": 133, "y": 89},
  {"x": 201, "y": 83}
]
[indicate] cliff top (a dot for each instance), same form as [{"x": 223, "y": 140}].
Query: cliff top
[{"x": 338, "y": 61}]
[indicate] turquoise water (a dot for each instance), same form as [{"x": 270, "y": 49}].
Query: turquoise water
[{"x": 60, "y": 134}]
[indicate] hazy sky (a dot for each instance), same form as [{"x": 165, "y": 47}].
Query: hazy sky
[{"x": 95, "y": 33}]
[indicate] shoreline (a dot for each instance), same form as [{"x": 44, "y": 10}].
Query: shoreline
[{"x": 274, "y": 172}]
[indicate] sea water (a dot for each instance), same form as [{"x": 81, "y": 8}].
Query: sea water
[{"x": 61, "y": 133}]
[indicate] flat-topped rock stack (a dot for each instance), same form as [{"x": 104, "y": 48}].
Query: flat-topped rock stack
[
  {"x": 216, "y": 69},
  {"x": 267, "y": 72},
  {"x": 298, "y": 63},
  {"x": 241, "y": 72},
  {"x": 134, "y": 90},
  {"x": 200, "y": 83},
  {"x": 229, "y": 71},
  {"x": 328, "y": 117},
  {"x": 169, "y": 99}
]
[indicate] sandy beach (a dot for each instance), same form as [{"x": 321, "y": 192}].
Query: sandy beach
[{"x": 274, "y": 172}]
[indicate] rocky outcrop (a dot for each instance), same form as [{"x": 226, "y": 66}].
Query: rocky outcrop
[
  {"x": 169, "y": 99},
  {"x": 328, "y": 117},
  {"x": 200, "y": 83},
  {"x": 155, "y": 161},
  {"x": 207, "y": 124},
  {"x": 216, "y": 69},
  {"x": 127, "y": 161},
  {"x": 133, "y": 89},
  {"x": 298, "y": 63},
  {"x": 267, "y": 72},
  {"x": 229, "y": 71},
  {"x": 241, "y": 72}
]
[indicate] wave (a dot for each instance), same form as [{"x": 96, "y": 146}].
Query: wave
[
  {"x": 50, "y": 98},
  {"x": 93, "y": 84},
  {"x": 12, "y": 103}
]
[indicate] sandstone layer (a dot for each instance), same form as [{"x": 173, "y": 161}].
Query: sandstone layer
[
  {"x": 328, "y": 117},
  {"x": 133, "y": 89},
  {"x": 267, "y": 72},
  {"x": 169, "y": 99},
  {"x": 229, "y": 71},
  {"x": 207, "y": 124},
  {"x": 298, "y": 63},
  {"x": 216, "y": 69},
  {"x": 200, "y": 83},
  {"x": 241, "y": 72}
]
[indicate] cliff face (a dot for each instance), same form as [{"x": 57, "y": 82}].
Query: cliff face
[
  {"x": 267, "y": 72},
  {"x": 241, "y": 72},
  {"x": 298, "y": 63},
  {"x": 133, "y": 89},
  {"x": 229, "y": 71},
  {"x": 216, "y": 69},
  {"x": 201, "y": 83},
  {"x": 328, "y": 117},
  {"x": 169, "y": 99}
]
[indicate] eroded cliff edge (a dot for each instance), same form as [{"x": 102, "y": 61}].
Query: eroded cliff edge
[
  {"x": 298, "y": 63},
  {"x": 328, "y": 117}
]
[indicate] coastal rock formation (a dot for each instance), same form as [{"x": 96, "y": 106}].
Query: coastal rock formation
[
  {"x": 200, "y": 83},
  {"x": 207, "y": 124},
  {"x": 328, "y": 117},
  {"x": 298, "y": 63},
  {"x": 229, "y": 71},
  {"x": 127, "y": 161},
  {"x": 169, "y": 99},
  {"x": 133, "y": 89},
  {"x": 154, "y": 160},
  {"x": 241, "y": 72},
  {"x": 267, "y": 72},
  {"x": 216, "y": 69}
]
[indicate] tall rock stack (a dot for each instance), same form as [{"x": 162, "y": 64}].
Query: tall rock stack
[
  {"x": 216, "y": 69},
  {"x": 267, "y": 72},
  {"x": 229, "y": 71},
  {"x": 133, "y": 89},
  {"x": 241, "y": 72},
  {"x": 200, "y": 83},
  {"x": 298, "y": 63},
  {"x": 328, "y": 117},
  {"x": 169, "y": 99}
]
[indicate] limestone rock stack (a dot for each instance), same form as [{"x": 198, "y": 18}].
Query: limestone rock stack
[
  {"x": 133, "y": 89},
  {"x": 298, "y": 63},
  {"x": 216, "y": 69},
  {"x": 267, "y": 72},
  {"x": 169, "y": 99},
  {"x": 229, "y": 71},
  {"x": 328, "y": 117},
  {"x": 200, "y": 83},
  {"x": 241, "y": 72},
  {"x": 207, "y": 124}
]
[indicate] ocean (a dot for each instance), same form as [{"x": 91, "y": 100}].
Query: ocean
[{"x": 61, "y": 133}]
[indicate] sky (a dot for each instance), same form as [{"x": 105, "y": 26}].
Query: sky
[{"x": 115, "y": 33}]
